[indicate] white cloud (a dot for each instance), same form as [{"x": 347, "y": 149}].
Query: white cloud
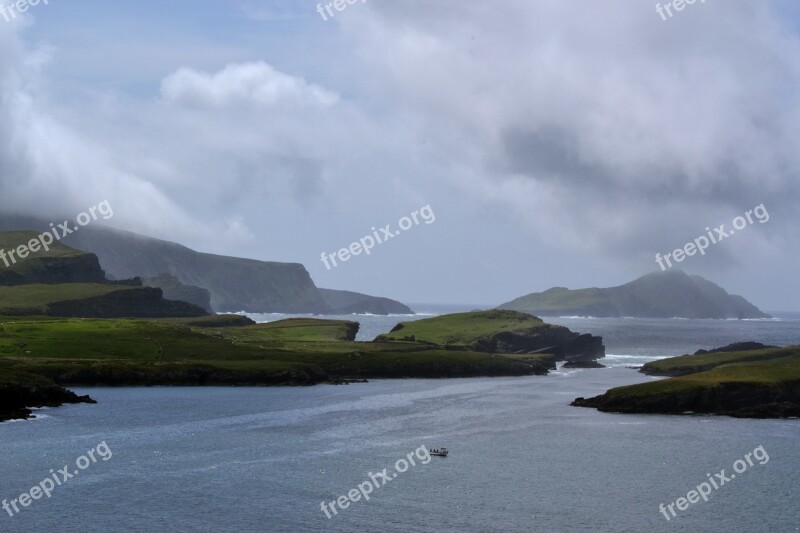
[{"x": 243, "y": 84}]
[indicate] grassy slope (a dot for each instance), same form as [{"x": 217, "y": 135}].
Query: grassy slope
[
  {"x": 26, "y": 299},
  {"x": 464, "y": 328},
  {"x": 304, "y": 329},
  {"x": 690, "y": 364},
  {"x": 34, "y": 298},
  {"x": 737, "y": 383},
  {"x": 12, "y": 239},
  {"x": 132, "y": 352},
  {"x": 558, "y": 299}
]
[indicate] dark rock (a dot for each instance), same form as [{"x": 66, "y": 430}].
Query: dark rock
[
  {"x": 729, "y": 399},
  {"x": 556, "y": 340},
  {"x": 21, "y": 391},
  {"x": 80, "y": 268},
  {"x": 582, "y": 364}
]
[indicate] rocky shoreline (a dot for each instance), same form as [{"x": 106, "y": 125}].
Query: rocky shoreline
[{"x": 21, "y": 391}]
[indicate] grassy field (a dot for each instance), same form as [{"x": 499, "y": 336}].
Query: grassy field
[
  {"x": 303, "y": 330},
  {"x": 296, "y": 351},
  {"x": 463, "y": 329},
  {"x": 691, "y": 364},
  {"x": 557, "y": 299}
]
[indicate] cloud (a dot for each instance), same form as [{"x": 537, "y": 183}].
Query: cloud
[
  {"x": 199, "y": 165},
  {"x": 604, "y": 128},
  {"x": 256, "y": 84},
  {"x": 50, "y": 169},
  {"x": 599, "y": 134}
]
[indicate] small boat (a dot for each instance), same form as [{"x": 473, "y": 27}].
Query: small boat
[{"x": 440, "y": 452}]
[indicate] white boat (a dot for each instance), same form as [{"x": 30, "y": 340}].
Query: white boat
[{"x": 440, "y": 452}]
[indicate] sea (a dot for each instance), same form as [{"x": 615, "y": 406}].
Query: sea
[{"x": 520, "y": 457}]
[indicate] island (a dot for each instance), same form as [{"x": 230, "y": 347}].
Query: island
[
  {"x": 498, "y": 331},
  {"x": 745, "y": 380},
  {"x": 670, "y": 294}
]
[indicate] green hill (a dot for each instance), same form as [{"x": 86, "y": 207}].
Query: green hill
[
  {"x": 58, "y": 264},
  {"x": 347, "y": 302},
  {"x": 66, "y": 282},
  {"x": 658, "y": 295},
  {"x": 501, "y": 332}
]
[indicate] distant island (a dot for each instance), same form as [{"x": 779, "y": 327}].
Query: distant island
[
  {"x": 670, "y": 294},
  {"x": 41, "y": 355},
  {"x": 233, "y": 284},
  {"x": 745, "y": 380}
]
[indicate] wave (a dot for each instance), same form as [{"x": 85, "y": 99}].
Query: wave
[
  {"x": 762, "y": 319},
  {"x": 34, "y": 419},
  {"x": 618, "y": 356}
]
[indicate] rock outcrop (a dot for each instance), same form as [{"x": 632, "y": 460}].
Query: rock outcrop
[
  {"x": 498, "y": 331},
  {"x": 22, "y": 391}
]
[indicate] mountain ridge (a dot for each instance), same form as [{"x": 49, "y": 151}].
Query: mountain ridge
[
  {"x": 671, "y": 294},
  {"x": 235, "y": 284}
]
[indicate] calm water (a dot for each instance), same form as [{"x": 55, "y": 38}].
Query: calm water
[{"x": 250, "y": 459}]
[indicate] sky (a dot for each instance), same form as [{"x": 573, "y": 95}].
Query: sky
[{"x": 556, "y": 142}]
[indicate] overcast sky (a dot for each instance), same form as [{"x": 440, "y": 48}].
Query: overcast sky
[{"x": 559, "y": 143}]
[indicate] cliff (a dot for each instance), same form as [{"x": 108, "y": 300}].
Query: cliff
[
  {"x": 235, "y": 284},
  {"x": 65, "y": 282},
  {"x": 59, "y": 264},
  {"x": 175, "y": 290}
]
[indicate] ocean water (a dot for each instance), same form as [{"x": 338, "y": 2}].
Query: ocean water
[
  {"x": 521, "y": 459},
  {"x": 370, "y": 325},
  {"x": 635, "y": 341}
]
